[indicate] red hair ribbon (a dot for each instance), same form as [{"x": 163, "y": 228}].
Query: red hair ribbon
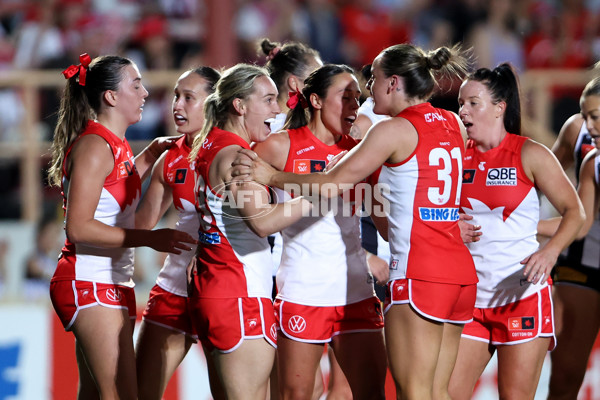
[
  {"x": 80, "y": 69},
  {"x": 295, "y": 98}
]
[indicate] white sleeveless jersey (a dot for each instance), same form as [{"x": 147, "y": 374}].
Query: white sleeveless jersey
[
  {"x": 503, "y": 200},
  {"x": 323, "y": 262}
]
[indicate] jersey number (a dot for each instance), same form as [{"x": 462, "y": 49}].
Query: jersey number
[{"x": 440, "y": 156}]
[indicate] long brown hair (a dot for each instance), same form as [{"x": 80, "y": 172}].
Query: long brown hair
[{"x": 81, "y": 103}]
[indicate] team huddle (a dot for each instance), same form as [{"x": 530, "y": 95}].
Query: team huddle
[{"x": 266, "y": 267}]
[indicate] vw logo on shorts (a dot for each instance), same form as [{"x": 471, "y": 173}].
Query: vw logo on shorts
[
  {"x": 113, "y": 295},
  {"x": 273, "y": 331},
  {"x": 297, "y": 324}
]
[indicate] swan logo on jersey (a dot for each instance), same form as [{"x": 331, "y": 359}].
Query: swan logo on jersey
[
  {"x": 252, "y": 322},
  {"x": 125, "y": 169},
  {"x": 501, "y": 177},
  {"x": 308, "y": 166},
  {"x": 431, "y": 117},
  {"x": 438, "y": 214},
  {"x": 297, "y": 324},
  {"x": 180, "y": 175},
  {"x": 468, "y": 176}
]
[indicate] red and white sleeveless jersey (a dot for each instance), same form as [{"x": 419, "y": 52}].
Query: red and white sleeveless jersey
[
  {"x": 232, "y": 261},
  {"x": 424, "y": 198},
  {"x": 116, "y": 207},
  {"x": 503, "y": 200},
  {"x": 323, "y": 262},
  {"x": 178, "y": 174}
]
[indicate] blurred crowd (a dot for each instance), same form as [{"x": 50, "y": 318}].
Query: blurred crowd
[
  {"x": 172, "y": 34},
  {"x": 166, "y": 34}
]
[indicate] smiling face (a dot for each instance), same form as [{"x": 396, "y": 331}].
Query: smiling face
[
  {"x": 188, "y": 103},
  {"x": 340, "y": 105},
  {"x": 477, "y": 111},
  {"x": 260, "y": 106},
  {"x": 590, "y": 111},
  {"x": 131, "y": 94}
]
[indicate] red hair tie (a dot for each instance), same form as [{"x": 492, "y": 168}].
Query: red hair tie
[
  {"x": 80, "y": 69},
  {"x": 295, "y": 98}
]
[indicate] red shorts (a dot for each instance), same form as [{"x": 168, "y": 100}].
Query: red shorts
[
  {"x": 170, "y": 311},
  {"x": 319, "y": 324},
  {"x": 68, "y": 297},
  {"x": 223, "y": 324},
  {"x": 514, "y": 323},
  {"x": 443, "y": 302}
]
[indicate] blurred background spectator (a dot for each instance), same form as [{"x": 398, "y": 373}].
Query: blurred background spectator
[{"x": 172, "y": 34}]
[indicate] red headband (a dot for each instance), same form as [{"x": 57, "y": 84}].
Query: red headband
[
  {"x": 80, "y": 69},
  {"x": 295, "y": 98}
]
